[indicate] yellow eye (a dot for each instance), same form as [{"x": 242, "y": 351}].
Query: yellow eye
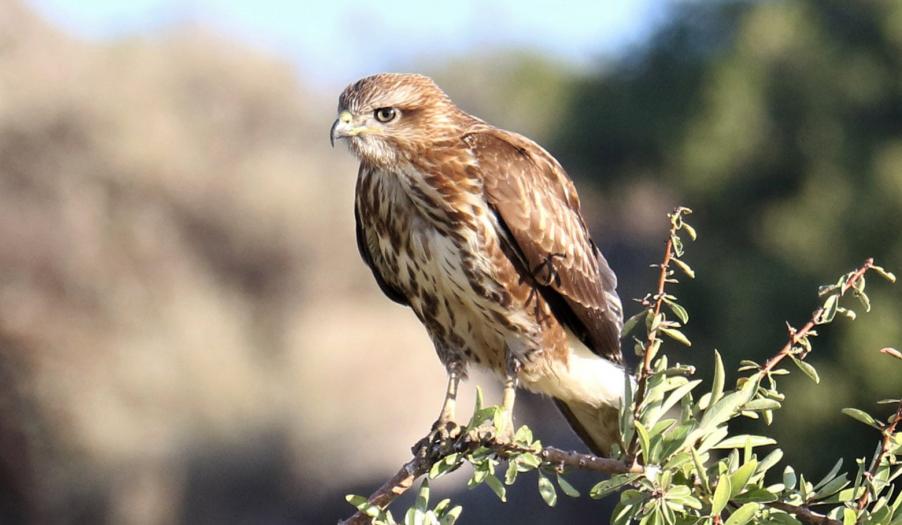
[{"x": 385, "y": 114}]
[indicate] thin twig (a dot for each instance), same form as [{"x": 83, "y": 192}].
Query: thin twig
[
  {"x": 652, "y": 336},
  {"x": 803, "y": 514},
  {"x": 797, "y": 335},
  {"x": 885, "y": 445}
]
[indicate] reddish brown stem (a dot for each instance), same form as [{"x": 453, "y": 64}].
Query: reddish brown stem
[
  {"x": 797, "y": 335},
  {"x": 651, "y": 338},
  {"x": 885, "y": 445}
]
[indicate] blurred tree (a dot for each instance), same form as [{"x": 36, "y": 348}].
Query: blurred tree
[{"x": 780, "y": 123}]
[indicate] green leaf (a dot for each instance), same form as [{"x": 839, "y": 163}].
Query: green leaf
[
  {"x": 844, "y": 495},
  {"x": 447, "y": 464},
  {"x": 828, "y": 311},
  {"x": 769, "y": 461},
  {"x": 762, "y": 404},
  {"x": 690, "y": 231},
  {"x": 422, "y": 501},
  {"x": 721, "y": 495},
  {"x": 806, "y": 368},
  {"x": 757, "y": 495},
  {"x": 684, "y": 267},
  {"x": 523, "y": 436},
  {"x": 789, "y": 478},
  {"x": 741, "y": 440},
  {"x": 723, "y": 410},
  {"x": 626, "y": 414},
  {"x": 496, "y": 486},
  {"x": 740, "y": 477},
  {"x": 363, "y": 505},
  {"x": 677, "y": 246},
  {"x": 862, "y": 416},
  {"x": 831, "y": 488},
  {"x": 883, "y": 273},
  {"x": 566, "y": 487},
  {"x": 678, "y": 311},
  {"x": 718, "y": 382},
  {"x": 442, "y": 506},
  {"x": 849, "y": 517},
  {"x": 678, "y": 394},
  {"x": 450, "y": 517},
  {"x": 609, "y": 486},
  {"x": 644, "y": 441},
  {"x": 632, "y": 322},
  {"x": 676, "y": 335},
  {"x": 528, "y": 461},
  {"x": 830, "y": 475},
  {"x": 743, "y": 514},
  {"x": 700, "y": 470},
  {"x": 510, "y": 475},
  {"x": 546, "y": 490}
]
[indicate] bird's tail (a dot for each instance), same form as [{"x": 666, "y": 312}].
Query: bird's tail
[
  {"x": 597, "y": 426},
  {"x": 588, "y": 389}
]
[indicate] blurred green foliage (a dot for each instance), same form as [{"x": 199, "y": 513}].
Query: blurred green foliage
[{"x": 780, "y": 123}]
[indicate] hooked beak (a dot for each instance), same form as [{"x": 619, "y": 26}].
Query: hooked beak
[{"x": 344, "y": 127}]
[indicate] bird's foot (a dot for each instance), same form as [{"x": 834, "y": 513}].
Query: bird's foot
[
  {"x": 499, "y": 430},
  {"x": 443, "y": 435}
]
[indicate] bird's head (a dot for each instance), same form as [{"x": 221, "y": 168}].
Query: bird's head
[{"x": 385, "y": 118}]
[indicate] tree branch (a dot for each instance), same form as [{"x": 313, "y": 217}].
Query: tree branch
[
  {"x": 420, "y": 464},
  {"x": 803, "y": 514},
  {"x": 797, "y": 335},
  {"x": 391, "y": 489}
]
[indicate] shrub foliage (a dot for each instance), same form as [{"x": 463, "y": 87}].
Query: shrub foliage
[{"x": 677, "y": 461}]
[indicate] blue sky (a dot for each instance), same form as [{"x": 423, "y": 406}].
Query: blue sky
[{"x": 334, "y": 41}]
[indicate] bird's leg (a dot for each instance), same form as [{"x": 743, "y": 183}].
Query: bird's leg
[
  {"x": 449, "y": 406},
  {"x": 444, "y": 428},
  {"x": 506, "y": 432}
]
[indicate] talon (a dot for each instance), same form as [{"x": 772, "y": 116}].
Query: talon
[{"x": 442, "y": 435}]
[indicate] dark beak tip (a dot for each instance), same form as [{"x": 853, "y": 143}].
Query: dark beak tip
[{"x": 332, "y": 133}]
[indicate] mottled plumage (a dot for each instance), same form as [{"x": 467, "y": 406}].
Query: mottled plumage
[{"x": 479, "y": 231}]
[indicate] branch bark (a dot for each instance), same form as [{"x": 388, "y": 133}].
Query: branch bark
[
  {"x": 804, "y": 515},
  {"x": 419, "y": 465}
]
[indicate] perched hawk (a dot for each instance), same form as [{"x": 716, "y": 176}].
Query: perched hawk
[{"x": 478, "y": 230}]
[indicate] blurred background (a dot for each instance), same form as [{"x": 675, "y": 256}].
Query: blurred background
[{"x": 187, "y": 334}]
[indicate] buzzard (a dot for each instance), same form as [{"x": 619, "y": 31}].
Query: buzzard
[{"x": 479, "y": 231}]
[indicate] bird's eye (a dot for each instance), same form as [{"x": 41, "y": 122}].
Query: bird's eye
[{"x": 385, "y": 114}]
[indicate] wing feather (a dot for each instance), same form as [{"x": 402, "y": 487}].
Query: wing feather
[
  {"x": 537, "y": 206},
  {"x": 390, "y": 291}
]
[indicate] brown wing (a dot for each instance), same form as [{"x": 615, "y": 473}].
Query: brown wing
[
  {"x": 538, "y": 209},
  {"x": 392, "y": 292}
]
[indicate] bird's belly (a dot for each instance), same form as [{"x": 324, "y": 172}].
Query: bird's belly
[{"x": 469, "y": 309}]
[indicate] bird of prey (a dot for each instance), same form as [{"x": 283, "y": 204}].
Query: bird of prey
[{"x": 479, "y": 231}]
